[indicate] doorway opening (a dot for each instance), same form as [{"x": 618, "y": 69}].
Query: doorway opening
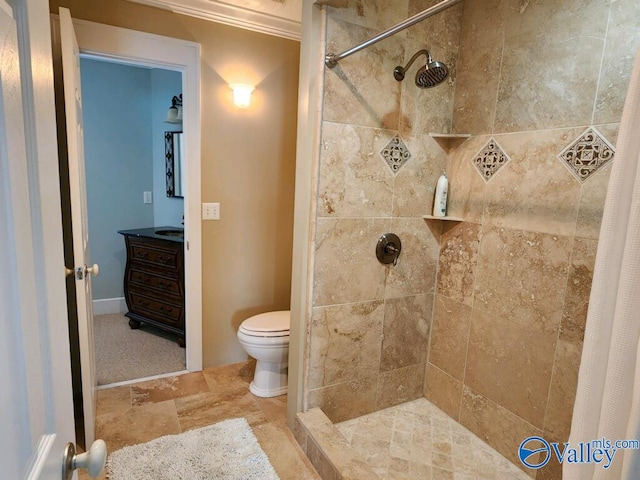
[
  {"x": 126, "y": 120},
  {"x": 152, "y": 51}
]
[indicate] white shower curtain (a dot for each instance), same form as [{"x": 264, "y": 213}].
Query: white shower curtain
[{"x": 608, "y": 397}]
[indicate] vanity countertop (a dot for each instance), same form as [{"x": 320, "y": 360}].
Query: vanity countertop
[{"x": 172, "y": 234}]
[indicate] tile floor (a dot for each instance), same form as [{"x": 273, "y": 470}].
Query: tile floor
[
  {"x": 416, "y": 440},
  {"x": 141, "y": 412}
]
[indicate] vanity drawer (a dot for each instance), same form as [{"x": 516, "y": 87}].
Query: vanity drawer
[
  {"x": 157, "y": 309},
  {"x": 145, "y": 253},
  {"x": 144, "y": 278}
]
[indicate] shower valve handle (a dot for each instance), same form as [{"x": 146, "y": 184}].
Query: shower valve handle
[{"x": 388, "y": 249}]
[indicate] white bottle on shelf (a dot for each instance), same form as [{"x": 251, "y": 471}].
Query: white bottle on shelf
[{"x": 440, "y": 198}]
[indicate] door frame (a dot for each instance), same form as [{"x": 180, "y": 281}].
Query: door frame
[
  {"x": 310, "y": 90},
  {"x": 106, "y": 42}
]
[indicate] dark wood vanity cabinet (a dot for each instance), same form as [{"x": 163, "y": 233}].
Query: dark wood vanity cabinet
[{"x": 154, "y": 281}]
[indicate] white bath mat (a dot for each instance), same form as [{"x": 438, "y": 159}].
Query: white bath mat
[{"x": 225, "y": 451}]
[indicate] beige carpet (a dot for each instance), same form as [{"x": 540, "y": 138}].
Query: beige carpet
[{"x": 126, "y": 354}]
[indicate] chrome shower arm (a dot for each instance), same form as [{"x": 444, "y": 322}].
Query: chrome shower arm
[
  {"x": 332, "y": 59},
  {"x": 398, "y": 72}
]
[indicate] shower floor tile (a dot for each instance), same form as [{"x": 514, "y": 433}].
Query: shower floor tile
[{"x": 416, "y": 440}]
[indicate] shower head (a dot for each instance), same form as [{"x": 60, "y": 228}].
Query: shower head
[{"x": 430, "y": 75}]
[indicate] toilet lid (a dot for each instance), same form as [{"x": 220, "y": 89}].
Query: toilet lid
[{"x": 268, "y": 324}]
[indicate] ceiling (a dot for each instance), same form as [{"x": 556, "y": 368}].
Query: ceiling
[{"x": 274, "y": 17}]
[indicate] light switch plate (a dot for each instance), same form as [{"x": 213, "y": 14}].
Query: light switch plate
[
  {"x": 147, "y": 197},
  {"x": 211, "y": 211}
]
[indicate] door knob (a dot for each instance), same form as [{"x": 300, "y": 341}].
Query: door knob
[
  {"x": 93, "y": 270},
  {"x": 94, "y": 460},
  {"x": 81, "y": 272}
]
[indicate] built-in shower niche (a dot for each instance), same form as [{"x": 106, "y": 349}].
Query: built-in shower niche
[{"x": 450, "y": 141}]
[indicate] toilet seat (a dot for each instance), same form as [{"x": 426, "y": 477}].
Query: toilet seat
[{"x": 269, "y": 324}]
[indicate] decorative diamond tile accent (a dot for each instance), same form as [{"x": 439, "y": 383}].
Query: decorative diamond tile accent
[
  {"x": 489, "y": 160},
  {"x": 396, "y": 154},
  {"x": 589, "y": 152}
]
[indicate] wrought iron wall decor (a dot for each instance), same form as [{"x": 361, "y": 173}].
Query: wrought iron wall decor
[{"x": 173, "y": 163}]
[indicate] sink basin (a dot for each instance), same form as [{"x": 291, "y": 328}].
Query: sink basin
[{"x": 170, "y": 233}]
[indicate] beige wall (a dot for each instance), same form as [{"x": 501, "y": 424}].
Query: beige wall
[
  {"x": 514, "y": 278},
  {"x": 370, "y": 325},
  {"x": 248, "y": 164}
]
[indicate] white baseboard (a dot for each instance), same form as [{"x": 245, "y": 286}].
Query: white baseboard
[{"x": 109, "y": 305}]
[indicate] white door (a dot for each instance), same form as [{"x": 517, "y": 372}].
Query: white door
[
  {"x": 77, "y": 187},
  {"x": 36, "y": 406}
]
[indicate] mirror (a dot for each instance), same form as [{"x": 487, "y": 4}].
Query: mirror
[{"x": 173, "y": 164}]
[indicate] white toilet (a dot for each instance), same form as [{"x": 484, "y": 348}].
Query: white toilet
[{"x": 265, "y": 337}]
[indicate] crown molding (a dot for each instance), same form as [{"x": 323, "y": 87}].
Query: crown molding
[{"x": 233, "y": 15}]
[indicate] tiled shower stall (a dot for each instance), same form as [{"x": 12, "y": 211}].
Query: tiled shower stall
[{"x": 484, "y": 317}]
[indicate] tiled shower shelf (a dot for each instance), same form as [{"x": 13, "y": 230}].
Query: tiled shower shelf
[
  {"x": 449, "y": 141},
  {"x": 447, "y": 218}
]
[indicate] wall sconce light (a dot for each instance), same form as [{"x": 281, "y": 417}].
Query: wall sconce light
[
  {"x": 174, "y": 114},
  {"x": 242, "y": 94}
]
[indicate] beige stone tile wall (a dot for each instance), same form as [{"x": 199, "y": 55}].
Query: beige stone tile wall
[
  {"x": 513, "y": 288},
  {"x": 544, "y": 64},
  {"x": 370, "y": 328},
  {"x": 514, "y": 278},
  {"x": 496, "y": 335}
]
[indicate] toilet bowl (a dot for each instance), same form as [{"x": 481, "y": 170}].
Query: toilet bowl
[{"x": 265, "y": 337}]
